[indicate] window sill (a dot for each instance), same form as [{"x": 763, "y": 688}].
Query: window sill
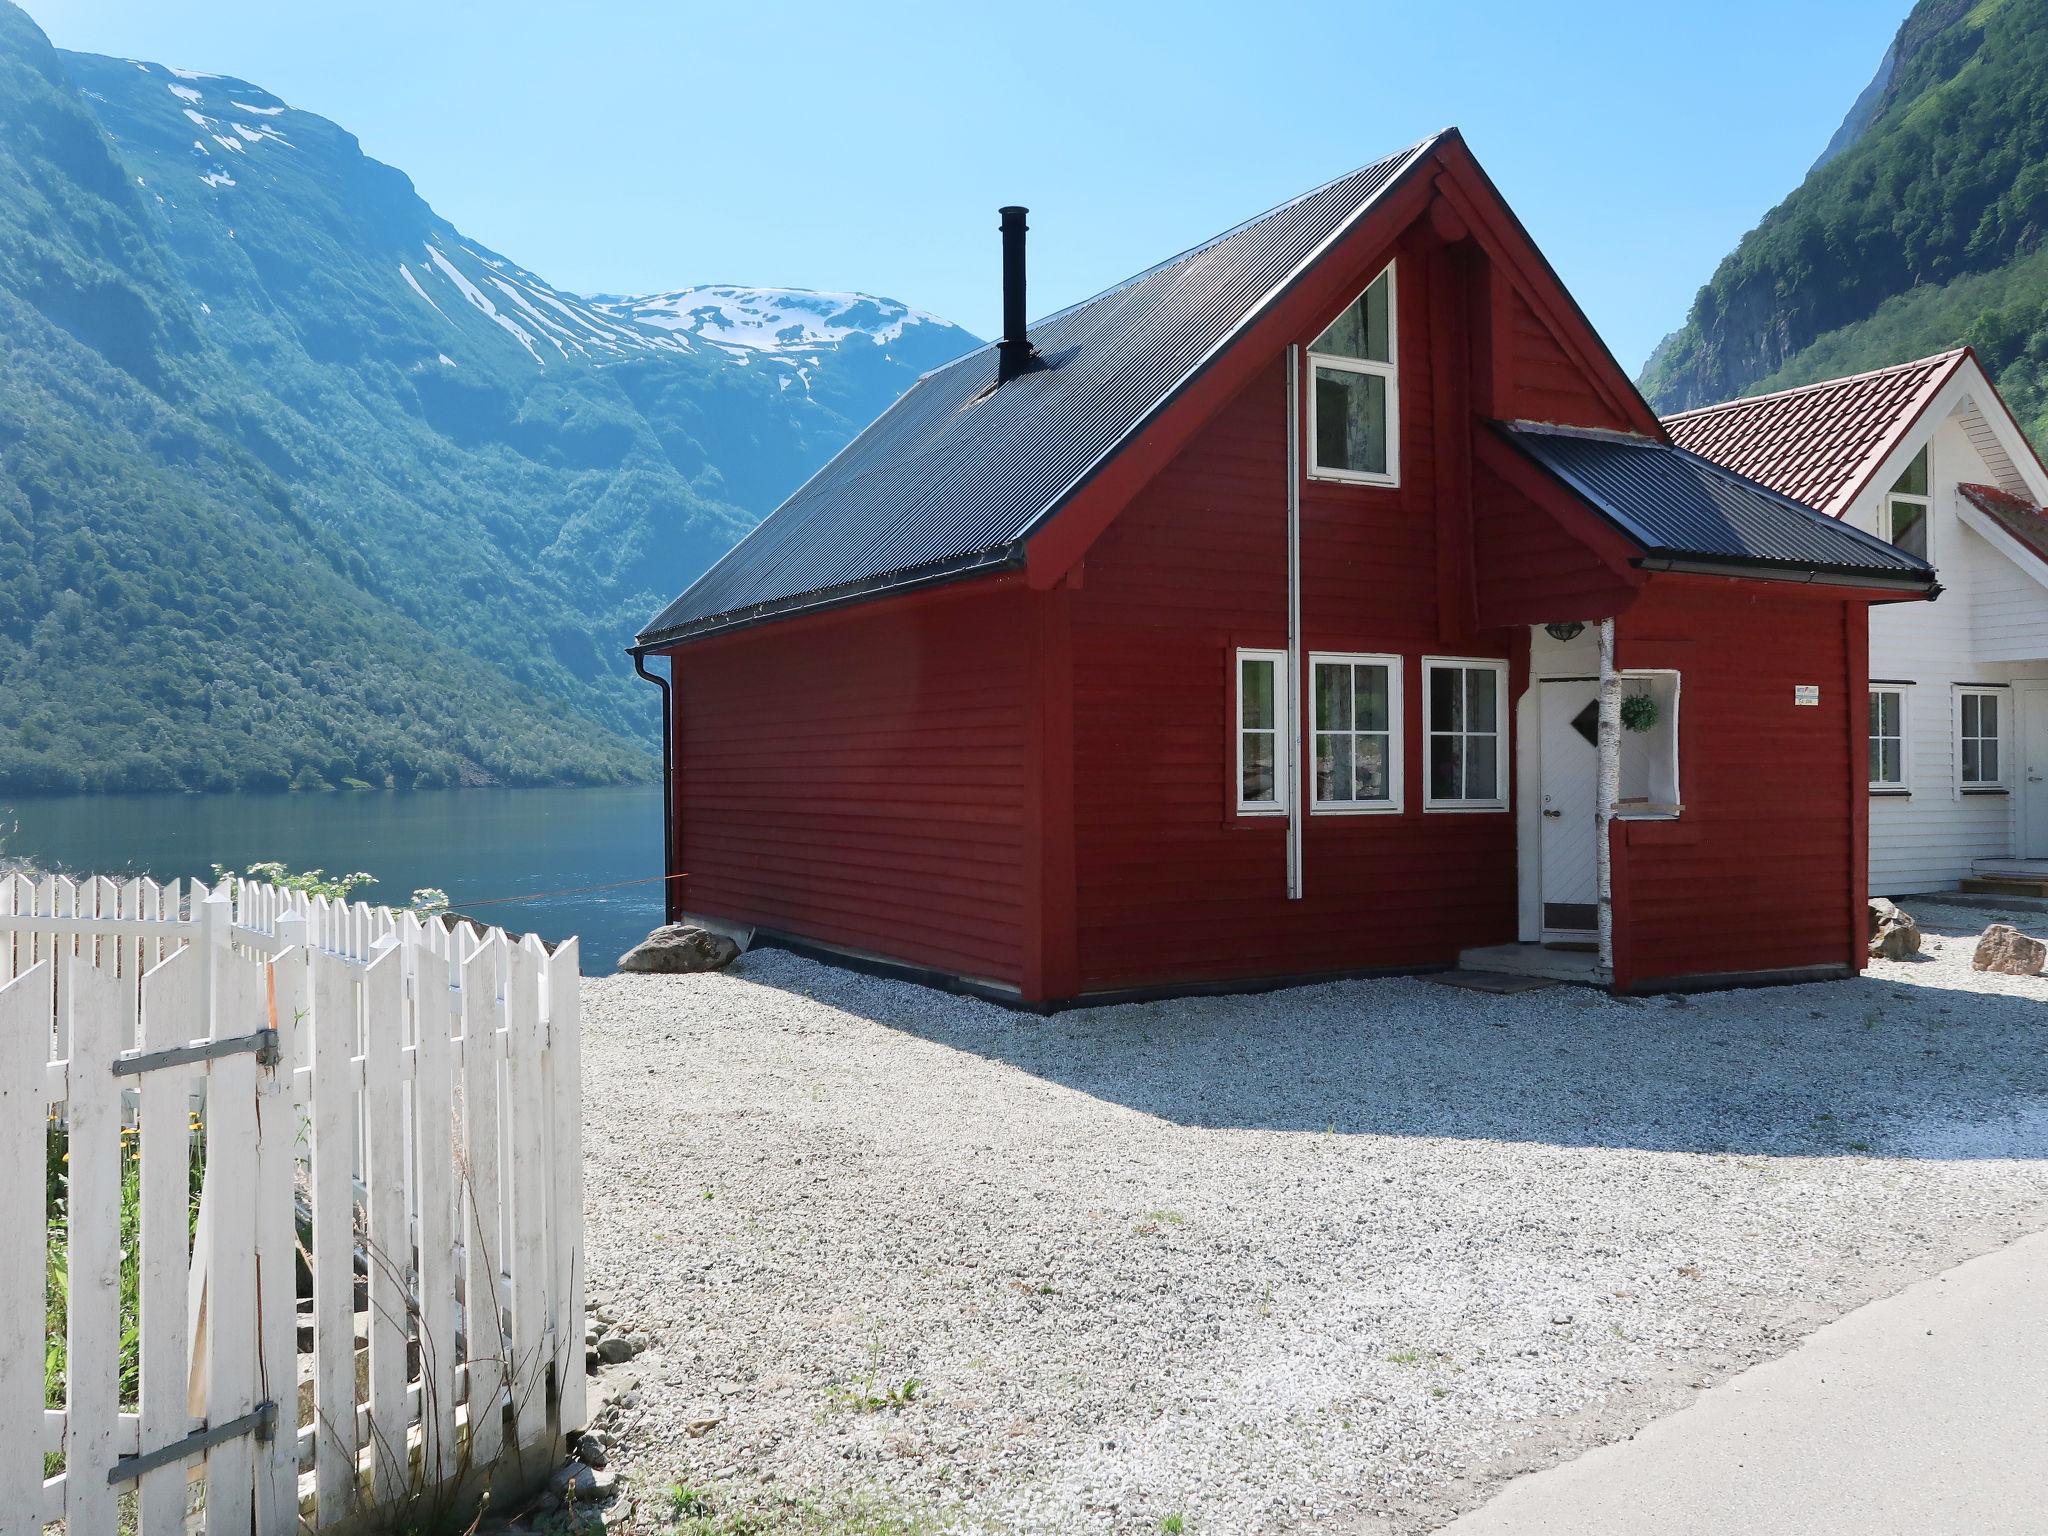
[
  {"x": 1984, "y": 789},
  {"x": 1461, "y": 808},
  {"x": 1338, "y": 477},
  {"x": 1648, "y": 812},
  {"x": 1889, "y": 792},
  {"x": 1260, "y": 813},
  {"x": 1341, "y": 808}
]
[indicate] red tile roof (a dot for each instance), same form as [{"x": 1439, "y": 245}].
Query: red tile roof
[
  {"x": 2025, "y": 520},
  {"x": 1819, "y": 444}
]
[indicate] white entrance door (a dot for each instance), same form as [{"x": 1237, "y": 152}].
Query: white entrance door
[
  {"x": 2033, "y": 779},
  {"x": 1571, "y": 785}
]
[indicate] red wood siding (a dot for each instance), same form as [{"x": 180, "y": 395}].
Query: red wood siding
[
  {"x": 1543, "y": 381},
  {"x": 1171, "y": 886},
  {"x": 861, "y": 784},
  {"x": 1528, "y": 569},
  {"x": 1758, "y": 873}
]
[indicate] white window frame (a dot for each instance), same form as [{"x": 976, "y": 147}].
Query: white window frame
[
  {"x": 1924, "y": 503},
  {"x": 1903, "y": 785},
  {"x": 1503, "y": 714},
  {"x": 1283, "y": 773},
  {"x": 1390, "y": 371},
  {"x": 2003, "y": 698},
  {"x": 1396, "y": 750},
  {"x": 1674, "y": 808}
]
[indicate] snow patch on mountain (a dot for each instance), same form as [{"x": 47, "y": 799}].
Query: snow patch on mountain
[{"x": 775, "y": 320}]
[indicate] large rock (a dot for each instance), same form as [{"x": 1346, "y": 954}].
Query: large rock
[
  {"x": 2004, "y": 948},
  {"x": 1893, "y": 934},
  {"x": 679, "y": 948}
]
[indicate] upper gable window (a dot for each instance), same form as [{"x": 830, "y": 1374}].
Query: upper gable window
[
  {"x": 1354, "y": 415},
  {"x": 1906, "y": 508}
]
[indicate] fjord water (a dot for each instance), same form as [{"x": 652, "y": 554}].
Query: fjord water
[{"x": 476, "y": 844}]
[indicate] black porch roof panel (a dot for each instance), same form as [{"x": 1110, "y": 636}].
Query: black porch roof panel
[
  {"x": 956, "y": 475},
  {"x": 1679, "y": 506}
]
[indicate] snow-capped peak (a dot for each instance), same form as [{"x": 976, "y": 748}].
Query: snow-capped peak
[{"x": 770, "y": 319}]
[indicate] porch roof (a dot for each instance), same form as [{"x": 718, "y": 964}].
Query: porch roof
[{"x": 1679, "y": 507}]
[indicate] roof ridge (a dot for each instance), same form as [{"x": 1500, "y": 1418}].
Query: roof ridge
[
  {"x": 1409, "y": 152},
  {"x": 1952, "y": 355}
]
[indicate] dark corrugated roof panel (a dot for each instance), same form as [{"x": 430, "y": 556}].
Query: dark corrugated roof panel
[
  {"x": 954, "y": 476},
  {"x": 1678, "y": 505}
]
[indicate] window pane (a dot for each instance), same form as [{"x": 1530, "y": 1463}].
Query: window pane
[
  {"x": 1876, "y": 714},
  {"x": 1909, "y": 527},
  {"x": 1362, "y": 331},
  {"x": 1892, "y": 767},
  {"x": 1914, "y": 481},
  {"x": 1333, "y": 697},
  {"x": 1372, "y": 768},
  {"x": 1339, "y": 780},
  {"x": 1481, "y": 684},
  {"x": 1876, "y": 761},
  {"x": 1378, "y": 332},
  {"x": 1446, "y": 763},
  {"x": 1481, "y": 775},
  {"x": 1369, "y": 686},
  {"x": 1972, "y": 766},
  {"x": 1257, "y": 684},
  {"x": 1970, "y": 715},
  {"x": 1351, "y": 421},
  {"x": 1446, "y": 699},
  {"x": 1987, "y": 714},
  {"x": 1988, "y": 754},
  {"x": 1893, "y": 704},
  {"x": 1258, "y": 766}
]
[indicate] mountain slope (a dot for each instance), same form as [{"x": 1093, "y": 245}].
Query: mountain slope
[
  {"x": 1920, "y": 228},
  {"x": 495, "y": 479}
]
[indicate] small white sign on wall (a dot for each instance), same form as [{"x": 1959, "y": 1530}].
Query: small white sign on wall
[{"x": 1806, "y": 693}]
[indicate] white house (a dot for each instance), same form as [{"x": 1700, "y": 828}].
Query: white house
[{"x": 1927, "y": 455}]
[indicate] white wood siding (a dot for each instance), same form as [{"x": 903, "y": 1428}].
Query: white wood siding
[{"x": 1990, "y": 625}]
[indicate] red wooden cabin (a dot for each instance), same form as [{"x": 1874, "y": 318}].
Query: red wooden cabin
[{"x": 1281, "y": 613}]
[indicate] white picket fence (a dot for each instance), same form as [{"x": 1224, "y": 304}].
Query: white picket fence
[{"x": 414, "y": 1087}]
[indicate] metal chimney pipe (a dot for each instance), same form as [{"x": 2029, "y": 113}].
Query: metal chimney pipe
[{"x": 1014, "y": 354}]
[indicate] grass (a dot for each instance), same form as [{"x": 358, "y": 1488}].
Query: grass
[
  {"x": 862, "y": 1397},
  {"x": 57, "y": 1288}
]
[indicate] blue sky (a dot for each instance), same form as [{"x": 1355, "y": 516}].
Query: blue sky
[{"x": 629, "y": 145}]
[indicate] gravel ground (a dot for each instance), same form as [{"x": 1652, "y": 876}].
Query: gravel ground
[{"x": 1331, "y": 1259}]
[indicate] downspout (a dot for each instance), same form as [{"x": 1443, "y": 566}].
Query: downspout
[
  {"x": 668, "y": 789},
  {"x": 1295, "y": 705},
  {"x": 1608, "y": 792}
]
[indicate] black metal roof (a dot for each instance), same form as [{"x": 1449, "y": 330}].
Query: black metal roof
[
  {"x": 955, "y": 476},
  {"x": 1678, "y": 506}
]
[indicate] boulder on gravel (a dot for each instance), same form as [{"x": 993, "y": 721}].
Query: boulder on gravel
[
  {"x": 2005, "y": 949},
  {"x": 680, "y": 949},
  {"x": 1893, "y": 934}
]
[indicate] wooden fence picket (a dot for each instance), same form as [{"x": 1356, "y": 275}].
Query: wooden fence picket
[
  {"x": 24, "y": 1048},
  {"x": 483, "y": 1197},
  {"x": 334, "y": 1142},
  {"x": 525, "y": 1129},
  {"x": 389, "y": 1242},
  {"x": 277, "y": 1127},
  {"x": 241, "y": 1007},
  {"x": 434, "y": 1164},
  {"x": 93, "y": 1015},
  {"x": 564, "y": 1066},
  {"x": 170, "y": 997}
]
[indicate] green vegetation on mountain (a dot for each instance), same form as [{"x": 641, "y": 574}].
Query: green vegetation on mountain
[
  {"x": 1922, "y": 231},
  {"x": 301, "y": 487}
]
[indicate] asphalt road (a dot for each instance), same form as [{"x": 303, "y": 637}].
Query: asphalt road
[{"x": 1924, "y": 1413}]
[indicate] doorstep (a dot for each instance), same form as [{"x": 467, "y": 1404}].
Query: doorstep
[{"x": 1574, "y": 965}]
